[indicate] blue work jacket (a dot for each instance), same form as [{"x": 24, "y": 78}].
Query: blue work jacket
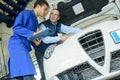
[{"x": 20, "y": 62}]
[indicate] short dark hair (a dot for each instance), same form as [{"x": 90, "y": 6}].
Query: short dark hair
[
  {"x": 57, "y": 10},
  {"x": 41, "y": 2}
]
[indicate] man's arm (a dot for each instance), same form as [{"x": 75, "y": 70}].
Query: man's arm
[
  {"x": 19, "y": 27},
  {"x": 49, "y": 39},
  {"x": 55, "y": 39},
  {"x": 69, "y": 30}
]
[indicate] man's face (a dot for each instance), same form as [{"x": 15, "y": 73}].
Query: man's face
[
  {"x": 42, "y": 10},
  {"x": 54, "y": 16}
]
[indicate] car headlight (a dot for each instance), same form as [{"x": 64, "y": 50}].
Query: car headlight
[{"x": 49, "y": 51}]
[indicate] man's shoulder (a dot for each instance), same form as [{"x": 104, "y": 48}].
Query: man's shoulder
[
  {"x": 25, "y": 12},
  {"x": 46, "y": 21}
]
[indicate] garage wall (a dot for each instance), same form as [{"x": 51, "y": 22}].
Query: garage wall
[{"x": 5, "y": 34}]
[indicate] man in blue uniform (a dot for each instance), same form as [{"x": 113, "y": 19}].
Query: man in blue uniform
[
  {"x": 20, "y": 64},
  {"x": 56, "y": 27}
]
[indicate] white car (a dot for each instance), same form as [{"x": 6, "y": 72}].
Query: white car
[{"x": 92, "y": 54}]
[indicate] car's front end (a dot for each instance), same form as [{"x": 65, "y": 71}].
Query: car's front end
[{"x": 94, "y": 53}]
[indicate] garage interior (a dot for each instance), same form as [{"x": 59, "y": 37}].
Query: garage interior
[{"x": 8, "y": 12}]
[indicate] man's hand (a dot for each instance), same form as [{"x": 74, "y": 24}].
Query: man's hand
[
  {"x": 37, "y": 32},
  {"x": 63, "y": 37},
  {"x": 37, "y": 42}
]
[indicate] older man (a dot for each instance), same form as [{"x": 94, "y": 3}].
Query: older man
[{"x": 57, "y": 28}]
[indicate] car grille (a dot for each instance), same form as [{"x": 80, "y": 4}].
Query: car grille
[
  {"x": 93, "y": 44},
  {"x": 81, "y": 72},
  {"x": 115, "y": 61}
]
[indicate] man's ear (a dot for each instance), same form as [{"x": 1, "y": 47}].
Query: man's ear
[
  {"x": 59, "y": 18},
  {"x": 39, "y": 5}
]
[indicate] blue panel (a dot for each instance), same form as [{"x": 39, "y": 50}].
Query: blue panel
[{"x": 116, "y": 36}]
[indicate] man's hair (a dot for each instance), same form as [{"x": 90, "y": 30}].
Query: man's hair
[
  {"x": 41, "y": 2},
  {"x": 57, "y": 10}
]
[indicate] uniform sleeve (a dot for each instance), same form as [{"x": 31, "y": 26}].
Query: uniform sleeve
[
  {"x": 69, "y": 30},
  {"x": 49, "y": 39},
  {"x": 19, "y": 27}
]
